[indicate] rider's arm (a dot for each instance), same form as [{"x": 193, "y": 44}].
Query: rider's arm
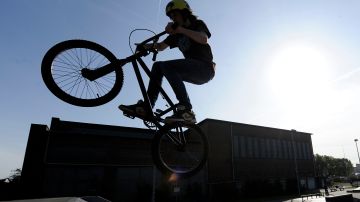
[{"x": 198, "y": 36}]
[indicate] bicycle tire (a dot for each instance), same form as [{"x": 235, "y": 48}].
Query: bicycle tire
[
  {"x": 164, "y": 163},
  {"x": 63, "y": 63}
]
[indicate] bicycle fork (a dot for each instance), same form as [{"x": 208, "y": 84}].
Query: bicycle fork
[{"x": 177, "y": 137}]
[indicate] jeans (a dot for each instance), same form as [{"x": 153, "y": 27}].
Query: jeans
[{"x": 176, "y": 72}]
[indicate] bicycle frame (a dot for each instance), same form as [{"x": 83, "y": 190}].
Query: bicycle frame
[
  {"x": 144, "y": 93},
  {"x": 135, "y": 59}
]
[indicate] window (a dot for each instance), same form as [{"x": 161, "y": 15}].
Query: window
[
  {"x": 250, "y": 148},
  {"x": 242, "y": 147},
  {"x": 299, "y": 150},
  {"x": 290, "y": 150},
  {"x": 304, "y": 150},
  {"x": 280, "y": 149},
  {"x": 285, "y": 150},
  {"x": 274, "y": 148},
  {"x": 256, "y": 147},
  {"x": 296, "y": 150},
  {"x": 236, "y": 146},
  {"x": 262, "y": 148},
  {"x": 268, "y": 149},
  {"x": 308, "y": 151}
]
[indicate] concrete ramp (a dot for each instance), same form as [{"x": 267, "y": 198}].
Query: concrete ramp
[{"x": 65, "y": 199}]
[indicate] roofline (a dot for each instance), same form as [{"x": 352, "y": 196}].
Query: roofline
[
  {"x": 231, "y": 122},
  {"x": 55, "y": 119}
]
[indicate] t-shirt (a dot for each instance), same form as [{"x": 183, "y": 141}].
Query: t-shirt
[{"x": 189, "y": 47}]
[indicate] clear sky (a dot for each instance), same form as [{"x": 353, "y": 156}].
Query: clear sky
[{"x": 282, "y": 63}]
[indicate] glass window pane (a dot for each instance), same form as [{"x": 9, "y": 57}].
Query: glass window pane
[
  {"x": 268, "y": 149},
  {"x": 290, "y": 149},
  {"x": 236, "y": 146},
  {"x": 262, "y": 148},
  {"x": 242, "y": 147},
  {"x": 280, "y": 149},
  {"x": 256, "y": 148},
  {"x": 250, "y": 147},
  {"x": 274, "y": 148}
]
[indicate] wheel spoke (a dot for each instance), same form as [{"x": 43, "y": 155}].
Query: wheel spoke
[
  {"x": 78, "y": 85},
  {"x": 66, "y": 55},
  {"x": 77, "y": 58},
  {"x": 109, "y": 80},
  {"x": 101, "y": 63},
  {"x": 68, "y": 61},
  {"x": 62, "y": 62},
  {"x": 99, "y": 90},
  {"x": 71, "y": 82},
  {"x": 68, "y": 78}
]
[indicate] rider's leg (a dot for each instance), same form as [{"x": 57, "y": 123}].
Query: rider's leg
[
  {"x": 155, "y": 82},
  {"x": 178, "y": 71},
  {"x": 189, "y": 70},
  {"x": 139, "y": 109}
]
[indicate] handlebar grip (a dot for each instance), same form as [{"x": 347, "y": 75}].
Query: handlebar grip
[{"x": 140, "y": 47}]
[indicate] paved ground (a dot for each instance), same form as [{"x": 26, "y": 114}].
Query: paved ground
[
  {"x": 65, "y": 199},
  {"x": 319, "y": 199}
]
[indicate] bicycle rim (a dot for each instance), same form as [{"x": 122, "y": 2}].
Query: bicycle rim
[{"x": 180, "y": 149}]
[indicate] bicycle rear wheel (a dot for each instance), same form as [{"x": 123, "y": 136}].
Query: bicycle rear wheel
[
  {"x": 180, "y": 148},
  {"x": 61, "y": 71}
]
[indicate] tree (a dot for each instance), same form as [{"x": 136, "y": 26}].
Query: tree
[
  {"x": 10, "y": 188},
  {"x": 326, "y": 166},
  {"x": 15, "y": 176}
]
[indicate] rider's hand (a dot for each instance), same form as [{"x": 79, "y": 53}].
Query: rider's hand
[
  {"x": 149, "y": 46},
  {"x": 170, "y": 30}
]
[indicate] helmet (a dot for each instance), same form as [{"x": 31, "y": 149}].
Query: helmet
[{"x": 177, "y": 5}]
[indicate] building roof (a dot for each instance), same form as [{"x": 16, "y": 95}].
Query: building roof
[
  {"x": 209, "y": 120},
  {"x": 123, "y": 131}
]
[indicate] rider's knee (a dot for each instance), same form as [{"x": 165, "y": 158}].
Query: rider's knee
[
  {"x": 157, "y": 64},
  {"x": 159, "y": 67}
]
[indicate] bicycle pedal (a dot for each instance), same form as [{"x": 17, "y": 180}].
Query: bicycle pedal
[
  {"x": 129, "y": 116},
  {"x": 159, "y": 111}
]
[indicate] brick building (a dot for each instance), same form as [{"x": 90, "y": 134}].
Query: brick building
[{"x": 74, "y": 159}]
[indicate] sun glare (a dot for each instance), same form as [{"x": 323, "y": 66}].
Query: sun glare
[
  {"x": 298, "y": 69},
  {"x": 298, "y": 78}
]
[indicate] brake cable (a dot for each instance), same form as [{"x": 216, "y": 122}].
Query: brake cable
[{"x": 134, "y": 30}]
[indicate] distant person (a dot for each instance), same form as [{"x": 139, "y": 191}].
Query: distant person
[
  {"x": 326, "y": 190},
  {"x": 191, "y": 37}
]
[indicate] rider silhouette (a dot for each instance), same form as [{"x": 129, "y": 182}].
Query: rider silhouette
[{"x": 191, "y": 37}]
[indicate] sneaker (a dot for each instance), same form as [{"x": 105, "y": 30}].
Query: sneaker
[
  {"x": 182, "y": 115},
  {"x": 135, "y": 110}
]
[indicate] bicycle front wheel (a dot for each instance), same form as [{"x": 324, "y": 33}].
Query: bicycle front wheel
[
  {"x": 61, "y": 71},
  {"x": 180, "y": 149}
]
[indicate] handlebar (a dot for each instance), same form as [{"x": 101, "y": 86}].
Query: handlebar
[
  {"x": 155, "y": 39},
  {"x": 140, "y": 47}
]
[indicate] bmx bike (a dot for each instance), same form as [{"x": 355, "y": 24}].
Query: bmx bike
[{"x": 86, "y": 74}]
